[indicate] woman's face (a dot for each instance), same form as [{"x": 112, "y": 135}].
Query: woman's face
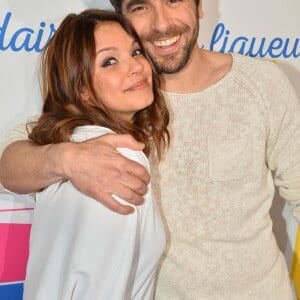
[{"x": 122, "y": 75}]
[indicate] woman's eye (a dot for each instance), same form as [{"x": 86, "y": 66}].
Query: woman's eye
[
  {"x": 109, "y": 62},
  {"x": 137, "y": 52}
]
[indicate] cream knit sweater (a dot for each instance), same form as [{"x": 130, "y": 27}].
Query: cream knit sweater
[
  {"x": 216, "y": 188},
  {"x": 215, "y": 185}
]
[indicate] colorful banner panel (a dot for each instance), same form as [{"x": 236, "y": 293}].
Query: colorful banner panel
[
  {"x": 295, "y": 272},
  {"x": 15, "y": 218}
]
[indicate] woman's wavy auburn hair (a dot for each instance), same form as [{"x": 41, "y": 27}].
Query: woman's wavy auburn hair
[{"x": 67, "y": 66}]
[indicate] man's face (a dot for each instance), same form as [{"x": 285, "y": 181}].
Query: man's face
[{"x": 167, "y": 28}]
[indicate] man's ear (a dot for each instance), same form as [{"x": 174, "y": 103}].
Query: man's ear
[{"x": 200, "y": 10}]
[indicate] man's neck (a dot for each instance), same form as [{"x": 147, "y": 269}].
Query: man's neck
[{"x": 203, "y": 69}]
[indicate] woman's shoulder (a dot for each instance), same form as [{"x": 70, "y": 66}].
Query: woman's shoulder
[{"x": 86, "y": 132}]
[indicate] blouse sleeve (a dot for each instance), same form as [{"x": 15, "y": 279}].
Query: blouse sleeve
[{"x": 97, "y": 248}]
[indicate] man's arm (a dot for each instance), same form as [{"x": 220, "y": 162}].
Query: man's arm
[
  {"x": 283, "y": 146},
  {"x": 95, "y": 167}
]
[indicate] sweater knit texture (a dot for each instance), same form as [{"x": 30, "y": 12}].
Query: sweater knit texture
[{"x": 215, "y": 186}]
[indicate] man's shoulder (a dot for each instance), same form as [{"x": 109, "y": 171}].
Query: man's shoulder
[
  {"x": 254, "y": 66},
  {"x": 263, "y": 78},
  {"x": 250, "y": 72},
  {"x": 241, "y": 62}
]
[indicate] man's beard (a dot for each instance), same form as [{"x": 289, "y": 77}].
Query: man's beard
[{"x": 173, "y": 63}]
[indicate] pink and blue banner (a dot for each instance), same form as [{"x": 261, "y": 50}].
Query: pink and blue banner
[{"x": 14, "y": 246}]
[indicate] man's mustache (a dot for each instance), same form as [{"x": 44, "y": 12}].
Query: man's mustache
[{"x": 171, "y": 31}]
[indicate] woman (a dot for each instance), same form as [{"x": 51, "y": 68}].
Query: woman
[{"x": 96, "y": 79}]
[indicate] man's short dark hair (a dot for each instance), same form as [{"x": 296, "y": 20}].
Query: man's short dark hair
[{"x": 117, "y": 4}]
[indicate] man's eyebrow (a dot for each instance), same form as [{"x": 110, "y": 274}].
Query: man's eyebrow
[{"x": 134, "y": 2}]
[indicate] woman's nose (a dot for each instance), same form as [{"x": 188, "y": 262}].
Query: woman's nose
[{"x": 135, "y": 66}]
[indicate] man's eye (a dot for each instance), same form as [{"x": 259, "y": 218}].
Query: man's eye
[
  {"x": 109, "y": 62},
  {"x": 174, "y": 1},
  {"x": 138, "y": 8}
]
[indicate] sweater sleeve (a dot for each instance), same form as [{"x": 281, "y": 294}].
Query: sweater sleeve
[
  {"x": 283, "y": 145},
  {"x": 18, "y": 133}
]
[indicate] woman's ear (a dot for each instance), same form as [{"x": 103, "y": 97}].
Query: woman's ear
[
  {"x": 200, "y": 10},
  {"x": 85, "y": 95}
]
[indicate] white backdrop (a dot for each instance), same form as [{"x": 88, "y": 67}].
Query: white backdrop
[{"x": 267, "y": 29}]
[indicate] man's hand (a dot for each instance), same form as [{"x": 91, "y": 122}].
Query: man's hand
[{"x": 98, "y": 170}]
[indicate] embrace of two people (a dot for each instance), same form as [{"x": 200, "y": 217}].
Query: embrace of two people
[{"x": 177, "y": 143}]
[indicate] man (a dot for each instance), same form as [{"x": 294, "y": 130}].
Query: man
[{"x": 232, "y": 125}]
